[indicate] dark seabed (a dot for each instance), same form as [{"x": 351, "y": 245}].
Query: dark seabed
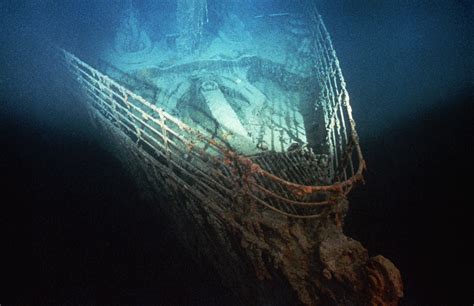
[{"x": 76, "y": 230}]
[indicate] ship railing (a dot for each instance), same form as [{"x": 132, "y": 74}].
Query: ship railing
[{"x": 297, "y": 184}]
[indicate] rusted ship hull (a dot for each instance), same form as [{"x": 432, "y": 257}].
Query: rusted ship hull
[
  {"x": 270, "y": 225},
  {"x": 266, "y": 258}
]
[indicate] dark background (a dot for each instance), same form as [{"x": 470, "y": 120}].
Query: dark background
[{"x": 76, "y": 231}]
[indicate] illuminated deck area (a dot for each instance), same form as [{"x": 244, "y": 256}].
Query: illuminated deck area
[{"x": 276, "y": 127}]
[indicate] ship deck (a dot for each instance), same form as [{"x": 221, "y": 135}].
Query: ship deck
[
  {"x": 247, "y": 85},
  {"x": 232, "y": 120}
]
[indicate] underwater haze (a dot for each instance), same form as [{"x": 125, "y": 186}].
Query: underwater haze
[{"x": 77, "y": 230}]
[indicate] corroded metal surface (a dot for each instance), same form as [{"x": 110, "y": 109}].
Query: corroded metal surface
[
  {"x": 270, "y": 224},
  {"x": 264, "y": 258},
  {"x": 207, "y": 166}
]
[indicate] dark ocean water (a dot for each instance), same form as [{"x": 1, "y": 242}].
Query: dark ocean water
[{"x": 76, "y": 230}]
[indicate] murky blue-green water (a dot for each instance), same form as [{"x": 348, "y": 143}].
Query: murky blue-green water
[{"x": 84, "y": 235}]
